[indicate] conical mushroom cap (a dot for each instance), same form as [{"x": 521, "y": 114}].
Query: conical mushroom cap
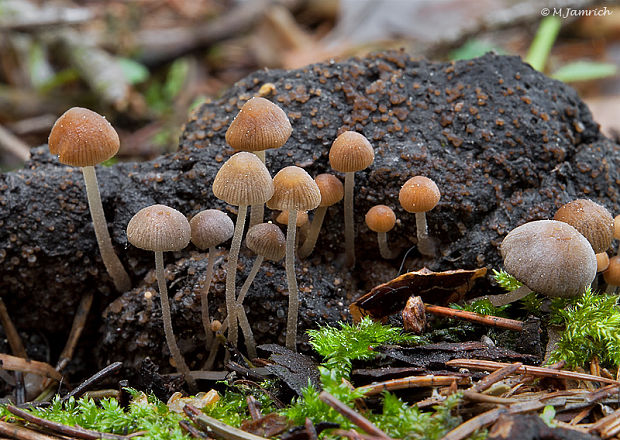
[
  {"x": 159, "y": 228},
  {"x": 259, "y": 125},
  {"x": 332, "y": 190},
  {"x": 243, "y": 180},
  {"x": 210, "y": 228},
  {"x": 266, "y": 239},
  {"x": 549, "y": 257},
  {"x": 592, "y": 220},
  {"x": 351, "y": 152},
  {"x": 294, "y": 189},
  {"x": 81, "y": 137}
]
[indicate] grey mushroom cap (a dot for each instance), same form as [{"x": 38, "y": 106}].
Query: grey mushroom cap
[
  {"x": 159, "y": 228},
  {"x": 211, "y": 228},
  {"x": 266, "y": 239},
  {"x": 550, "y": 257}
]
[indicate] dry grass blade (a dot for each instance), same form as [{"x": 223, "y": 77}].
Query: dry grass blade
[
  {"x": 478, "y": 364},
  {"x": 218, "y": 428},
  {"x": 362, "y": 422},
  {"x": 15, "y": 342},
  {"x": 79, "y": 320},
  {"x": 605, "y": 422},
  {"x": 412, "y": 382},
  {"x": 8, "y": 362},
  {"x": 483, "y": 420},
  {"x": 72, "y": 431},
  {"x": 17, "y": 432},
  {"x": 495, "y": 377}
]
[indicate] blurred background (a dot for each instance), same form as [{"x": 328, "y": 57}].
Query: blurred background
[{"x": 145, "y": 63}]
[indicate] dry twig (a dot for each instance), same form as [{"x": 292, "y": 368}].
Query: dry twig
[
  {"x": 493, "y": 321},
  {"x": 14, "y": 363},
  {"x": 411, "y": 382}
]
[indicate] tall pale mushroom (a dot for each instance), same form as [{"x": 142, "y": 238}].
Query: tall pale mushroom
[
  {"x": 294, "y": 190},
  {"x": 210, "y": 228},
  {"x": 243, "y": 180},
  {"x": 260, "y": 125},
  {"x": 160, "y": 229},
  {"x": 350, "y": 152},
  {"x": 83, "y": 138}
]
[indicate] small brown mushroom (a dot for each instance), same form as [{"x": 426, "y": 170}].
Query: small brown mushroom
[
  {"x": 381, "y": 219},
  {"x": 160, "y": 229},
  {"x": 332, "y": 192},
  {"x": 350, "y": 152},
  {"x": 294, "y": 190},
  {"x": 83, "y": 138},
  {"x": 592, "y": 220},
  {"x": 549, "y": 257},
  {"x": 210, "y": 228},
  {"x": 243, "y": 180},
  {"x": 612, "y": 275},
  {"x": 419, "y": 195}
]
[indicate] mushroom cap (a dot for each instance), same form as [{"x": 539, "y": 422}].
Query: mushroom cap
[
  {"x": 380, "y": 218},
  {"x": 419, "y": 194},
  {"x": 243, "y": 180},
  {"x": 81, "y": 137},
  {"x": 351, "y": 152},
  {"x": 331, "y": 188},
  {"x": 612, "y": 274},
  {"x": 549, "y": 257},
  {"x": 266, "y": 239},
  {"x": 294, "y": 189},
  {"x": 592, "y": 220},
  {"x": 210, "y": 228},
  {"x": 602, "y": 261},
  {"x": 259, "y": 125},
  {"x": 301, "y": 220},
  {"x": 159, "y": 228},
  {"x": 617, "y": 227}
]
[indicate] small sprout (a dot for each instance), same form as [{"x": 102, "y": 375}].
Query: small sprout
[
  {"x": 83, "y": 138},
  {"x": 592, "y": 220},
  {"x": 548, "y": 257},
  {"x": 210, "y": 228},
  {"x": 160, "y": 229},
  {"x": 243, "y": 180},
  {"x": 294, "y": 190},
  {"x": 419, "y": 195},
  {"x": 381, "y": 219},
  {"x": 612, "y": 275},
  {"x": 349, "y": 153},
  {"x": 332, "y": 192}
]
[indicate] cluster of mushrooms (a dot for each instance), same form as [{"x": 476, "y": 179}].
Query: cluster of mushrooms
[{"x": 548, "y": 256}]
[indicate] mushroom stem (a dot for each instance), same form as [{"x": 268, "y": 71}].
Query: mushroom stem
[
  {"x": 113, "y": 265},
  {"x": 248, "y": 281},
  {"x": 349, "y": 227},
  {"x": 313, "y": 234},
  {"x": 204, "y": 298},
  {"x": 425, "y": 243},
  {"x": 384, "y": 249},
  {"x": 250, "y": 343},
  {"x": 231, "y": 273},
  {"x": 168, "y": 332},
  {"x": 509, "y": 297},
  {"x": 293, "y": 294},
  {"x": 257, "y": 213}
]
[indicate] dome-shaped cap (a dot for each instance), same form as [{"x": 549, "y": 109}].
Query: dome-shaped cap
[
  {"x": 331, "y": 188},
  {"x": 602, "y": 261},
  {"x": 294, "y": 189},
  {"x": 159, "y": 228},
  {"x": 549, "y": 257},
  {"x": 380, "y": 218},
  {"x": 259, "y": 125},
  {"x": 592, "y": 220},
  {"x": 210, "y": 228},
  {"x": 419, "y": 194},
  {"x": 351, "y": 152},
  {"x": 612, "y": 273},
  {"x": 81, "y": 137},
  {"x": 243, "y": 180},
  {"x": 266, "y": 239},
  {"x": 301, "y": 220},
  {"x": 617, "y": 227}
]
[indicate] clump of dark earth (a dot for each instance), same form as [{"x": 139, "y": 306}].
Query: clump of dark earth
[{"x": 504, "y": 143}]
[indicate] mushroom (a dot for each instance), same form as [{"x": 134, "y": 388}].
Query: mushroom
[
  {"x": 349, "y": 153},
  {"x": 210, "y": 228},
  {"x": 267, "y": 241},
  {"x": 332, "y": 192},
  {"x": 612, "y": 275},
  {"x": 381, "y": 219},
  {"x": 419, "y": 195},
  {"x": 549, "y": 257},
  {"x": 83, "y": 138},
  {"x": 160, "y": 229},
  {"x": 602, "y": 261},
  {"x": 243, "y": 180},
  {"x": 592, "y": 220},
  {"x": 259, "y": 125},
  {"x": 294, "y": 190}
]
